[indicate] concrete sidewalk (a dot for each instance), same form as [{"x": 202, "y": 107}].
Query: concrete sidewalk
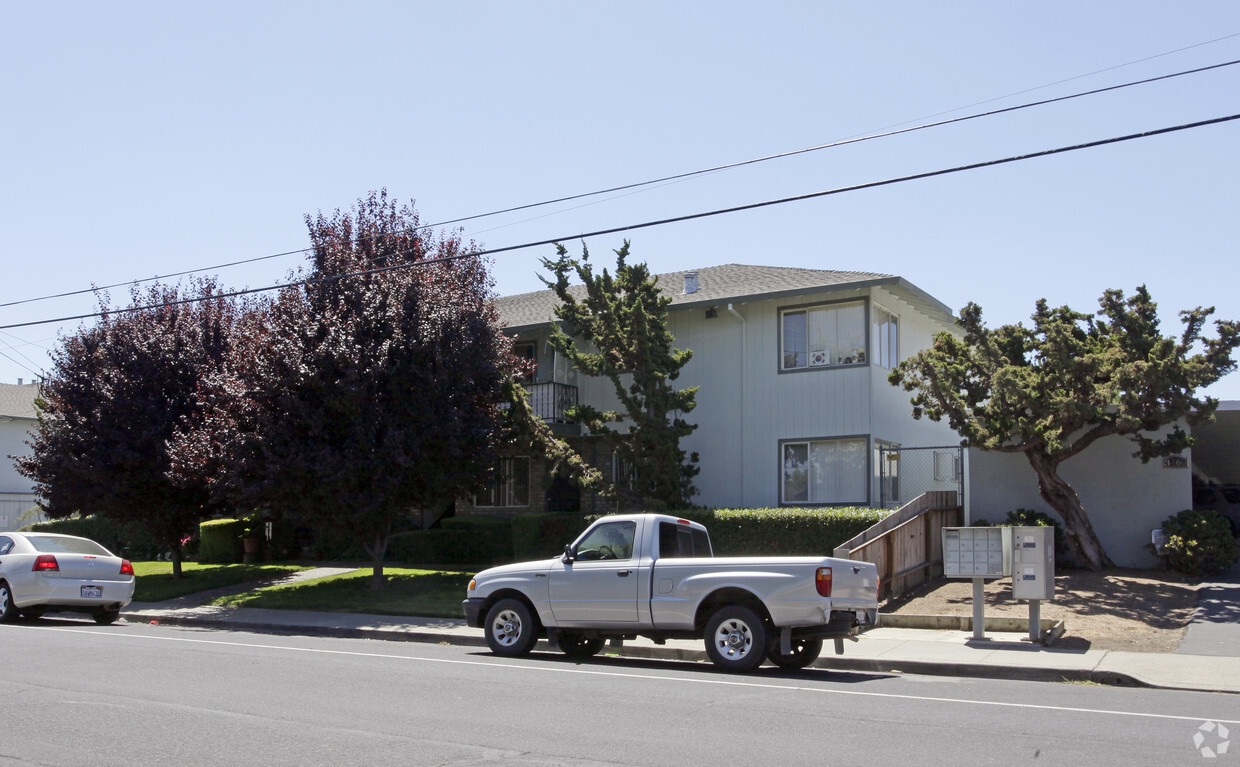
[{"x": 880, "y": 650}]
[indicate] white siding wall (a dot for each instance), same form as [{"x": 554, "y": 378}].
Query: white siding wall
[
  {"x": 746, "y": 406},
  {"x": 13, "y": 436},
  {"x": 1123, "y": 497}
]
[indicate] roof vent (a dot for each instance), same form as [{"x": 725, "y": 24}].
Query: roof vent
[{"x": 691, "y": 282}]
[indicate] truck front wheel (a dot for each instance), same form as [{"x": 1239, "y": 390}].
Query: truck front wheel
[
  {"x": 511, "y": 628},
  {"x": 736, "y": 639}
]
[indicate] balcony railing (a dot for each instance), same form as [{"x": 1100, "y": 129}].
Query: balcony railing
[{"x": 550, "y": 400}]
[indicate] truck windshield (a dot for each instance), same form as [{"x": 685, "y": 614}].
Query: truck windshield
[{"x": 682, "y": 541}]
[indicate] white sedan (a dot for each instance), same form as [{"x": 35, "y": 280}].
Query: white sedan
[{"x": 46, "y": 571}]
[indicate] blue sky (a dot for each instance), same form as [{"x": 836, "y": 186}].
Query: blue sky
[{"x": 147, "y": 138}]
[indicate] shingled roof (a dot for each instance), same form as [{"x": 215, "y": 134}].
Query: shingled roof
[
  {"x": 17, "y": 401},
  {"x": 734, "y": 283}
]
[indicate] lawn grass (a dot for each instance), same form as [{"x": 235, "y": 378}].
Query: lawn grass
[
  {"x": 422, "y": 593},
  {"x": 155, "y": 583}
]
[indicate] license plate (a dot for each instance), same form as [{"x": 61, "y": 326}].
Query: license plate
[{"x": 92, "y": 592}]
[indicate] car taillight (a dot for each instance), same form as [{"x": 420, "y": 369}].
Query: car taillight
[
  {"x": 126, "y": 567},
  {"x": 45, "y": 563},
  {"x": 823, "y": 581}
]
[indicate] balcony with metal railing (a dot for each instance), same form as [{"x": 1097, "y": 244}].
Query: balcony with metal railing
[{"x": 550, "y": 400}]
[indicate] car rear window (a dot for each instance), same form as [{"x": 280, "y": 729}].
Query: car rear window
[{"x": 51, "y": 545}]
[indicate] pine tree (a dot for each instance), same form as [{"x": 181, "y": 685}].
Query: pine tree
[{"x": 619, "y": 330}]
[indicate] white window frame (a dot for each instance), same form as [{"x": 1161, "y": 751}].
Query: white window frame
[
  {"x": 825, "y": 344},
  {"x": 884, "y": 336},
  {"x": 856, "y": 486},
  {"x": 503, "y": 486}
]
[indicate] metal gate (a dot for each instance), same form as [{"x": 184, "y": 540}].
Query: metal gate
[{"x": 907, "y": 472}]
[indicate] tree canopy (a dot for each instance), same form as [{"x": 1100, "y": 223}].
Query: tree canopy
[
  {"x": 368, "y": 392},
  {"x": 114, "y": 399},
  {"x": 1051, "y": 390},
  {"x": 619, "y": 330}
]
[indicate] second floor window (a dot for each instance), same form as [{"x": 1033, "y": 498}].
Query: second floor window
[{"x": 823, "y": 336}]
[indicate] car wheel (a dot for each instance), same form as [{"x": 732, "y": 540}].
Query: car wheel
[
  {"x": 511, "y": 628},
  {"x": 578, "y": 646},
  {"x": 104, "y": 617},
  {"x": 8, "y": 612},
  {"x": 804, "y": 652},
  {"x": 736, "y": 639}
]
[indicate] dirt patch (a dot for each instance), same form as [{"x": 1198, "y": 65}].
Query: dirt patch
[{"x": 1133, "y": 610}]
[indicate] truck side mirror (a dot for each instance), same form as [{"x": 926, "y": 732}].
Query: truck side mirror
[{"x": 569, "y": 554}]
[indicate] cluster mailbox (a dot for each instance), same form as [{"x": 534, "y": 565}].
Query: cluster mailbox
[
  {"x": 977, "y": 552},
  {"x": 1033, "y": 563}
]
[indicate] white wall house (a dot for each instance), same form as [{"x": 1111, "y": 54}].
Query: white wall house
[
  {"x": 794, "y": 406},
  {"x": 792, "y": 366},
  {"x": 17, "y": 420}
]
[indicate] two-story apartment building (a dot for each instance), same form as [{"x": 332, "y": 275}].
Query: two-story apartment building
[{"x": 793, "y": 405}]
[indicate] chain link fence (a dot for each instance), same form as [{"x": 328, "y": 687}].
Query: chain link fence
[{"x": 907, "y": 472}]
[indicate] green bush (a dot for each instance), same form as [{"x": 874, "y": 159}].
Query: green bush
[
  {"x": 797, "y": 532},
  {"x": 458, "y": 541},
  {"x": 542, "y": 536},
  {"x": 219, "y": 542},
  {"x": 1199, "y": 542},
  {"x": 125, "y": 539}
]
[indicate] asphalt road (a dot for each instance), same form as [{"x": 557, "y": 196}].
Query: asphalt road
[{"x": 78, "y": 694}]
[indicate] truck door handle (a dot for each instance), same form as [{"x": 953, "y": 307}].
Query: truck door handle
[{"x": 623, "y": 573}]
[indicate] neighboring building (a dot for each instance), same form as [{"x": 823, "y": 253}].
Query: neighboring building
[
  {"x": 17, "y": 420},
  {"x": 794, "y": 403}
]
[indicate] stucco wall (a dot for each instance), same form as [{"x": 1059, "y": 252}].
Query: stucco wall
[{"x": 1124, "y": 498}]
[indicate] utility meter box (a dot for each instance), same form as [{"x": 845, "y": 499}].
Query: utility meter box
[
  {"x": 976, "y": 552},
  {"x": 1033, "y": 562}
]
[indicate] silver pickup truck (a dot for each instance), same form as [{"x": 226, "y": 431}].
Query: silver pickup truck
[{"x": 655, "y": 576}]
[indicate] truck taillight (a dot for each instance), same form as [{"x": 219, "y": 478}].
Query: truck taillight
[
  {"x": 126, "y": 567},
  {"x": 45, "y": 563},
  {"x": 823, "y": 581}
]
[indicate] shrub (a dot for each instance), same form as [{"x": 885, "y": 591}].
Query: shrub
[
  {"x": 798, "y": 532},
  {"x": 541, "y": 536},
  {"x": 219, "y": 542},
  {"x": 125, "y": 539},
  {"x": 1199, "y": 542}
]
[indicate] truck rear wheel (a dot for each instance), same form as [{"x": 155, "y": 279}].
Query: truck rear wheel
[
  {"x": 736, "y": 639},
  {"x": 804, "y": 652},
  {"x": 511, "y": 628}
]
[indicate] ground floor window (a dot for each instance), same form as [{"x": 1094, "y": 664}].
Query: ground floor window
[
  {"x": 508, "y": 484},
  {"x": 824, "y": 471}
]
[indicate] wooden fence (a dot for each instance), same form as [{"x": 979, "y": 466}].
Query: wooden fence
[{"x": 907, "y": 546}]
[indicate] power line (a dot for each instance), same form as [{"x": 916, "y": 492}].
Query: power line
[
  {"x": 718, "y": 168},
  {"x": 659, "y": 222}
]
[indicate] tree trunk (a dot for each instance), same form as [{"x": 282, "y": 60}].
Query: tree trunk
[
  {"x": 1063, "y": 499},
  {"x": 377, "y": 551},
  {"x": 177, "y": 556}
]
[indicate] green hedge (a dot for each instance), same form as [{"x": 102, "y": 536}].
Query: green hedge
[
  {"x": 542, "y": 536},
  {"x": 733, "y": 532},
  {"x": 796, "y": 532},
  {"x": 220, "y": 541},
  {"x": 125, "y": 539},
  {"x": 458, "y": 541}
]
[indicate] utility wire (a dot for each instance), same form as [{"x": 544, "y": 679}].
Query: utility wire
[
  {"x": 648, "y": 224},
  {"x": 704, "y": 171}
]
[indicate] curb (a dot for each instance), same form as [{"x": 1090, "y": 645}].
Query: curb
[{"x": 654, "y": 652}]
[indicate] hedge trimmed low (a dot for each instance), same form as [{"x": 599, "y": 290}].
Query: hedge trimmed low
[
  {"x": 125, "y": 539},
  {"x": 220, "y": 542}
]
